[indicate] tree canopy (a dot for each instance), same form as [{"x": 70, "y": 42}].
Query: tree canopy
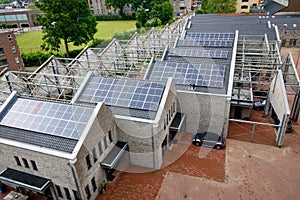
[
  {"x": 154, "y": 12},
  {"x": 67, "y": 20},
  {"x": 218, "y": 6}
]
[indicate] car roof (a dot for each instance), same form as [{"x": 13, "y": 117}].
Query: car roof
[{"x": 209, "y": 136}]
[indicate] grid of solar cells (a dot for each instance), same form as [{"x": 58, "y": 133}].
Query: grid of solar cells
[
  {"x": 198, "y": 53},
  {"x": 128, "y": 93},
  {"x": 186, "y": 73},
  {"x": 48, "y": 117},
  {"x": 204, "y": 43},
  {"x": 210, "y": 36}
]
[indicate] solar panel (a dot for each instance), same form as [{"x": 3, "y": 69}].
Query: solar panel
[
  {"x": 189, "y": 74},
  {"x": 128, "y": 93},
  {"x": 48, "y": 117},
  {"x": 210, "y": 36},
  {"x": 204, "y": 43},
  {"x": 198, "y": 53}
]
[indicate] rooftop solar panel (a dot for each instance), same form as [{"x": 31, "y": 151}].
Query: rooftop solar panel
[
  {"x": 204, "y": 43},
  {"x": 210, "y": 36},
  {"x": 190, "y": 74},
  {"x": 198, "y": 53},
  {"x": 48, "y": 117},
  {"x": 130, "y": 93}
]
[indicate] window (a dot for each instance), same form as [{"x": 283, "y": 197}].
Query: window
[
  {"x": 76, "y": 195},
  {"x": 174, "y": 107},
  {"x": 105, "y": 142},
  {"x": 88, "y": 162},
  {"x": 58, "y": 191},
  {"x": 68, "y": 196},
  {"x": 110, "y": 136},
  {"x": 94, "y": 184},
  {"x": 33, "y": 164},
  {"x": 13, "y": 48},
  {"x": 3, "y": 62},
  {"x": 245, "y": 0},
  {"x": 87, "y": 191},
  {"x": 17, "y": 60},
  {"x": 94, "y": 155},
  {"x": 25, "y": 163},
  {"x": 17, "y": 161},
  {"x": 10, "y": 39},
  {"x": 244, "y": 7},
  {"x": 100, "y": 148},
  {"x": 293, "y": 42},
  {"x": 1, "y": 52},
  {"x": 20, "y": 69}
]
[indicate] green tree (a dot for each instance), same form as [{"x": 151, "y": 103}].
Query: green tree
[
  {"x": 117, "y": 4},
  {"x": 162, "y": 11},
  {"x": 218, "y": 6},
  {"x": 141, "y": 16},
  {"x": 67, "y": 20}
]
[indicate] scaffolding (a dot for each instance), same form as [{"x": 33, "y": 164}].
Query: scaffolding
[{"x": 60, "y": 78}]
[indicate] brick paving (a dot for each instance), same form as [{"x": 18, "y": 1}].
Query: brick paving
[{"x": 184, "y": 158}]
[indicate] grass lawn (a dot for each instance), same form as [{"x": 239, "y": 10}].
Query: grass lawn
[{"x": 31, "y": 41}]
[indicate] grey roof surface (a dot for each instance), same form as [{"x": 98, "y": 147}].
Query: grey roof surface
[
  {"x": 25, "y": 180},
  {"x": 247, "y": 25},
  {"x": 39, "y": 139}
]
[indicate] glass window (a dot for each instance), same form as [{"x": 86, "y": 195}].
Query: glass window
[
  {"x": 13, "y": 48},
  {"x": 9, "y": 38},
  {"x": 33, "y": 165},
  {"x": 59, "y": 193},
  {"x": 25, "y": 163},
  {"x": 88, "y": 162},
  {"x": 105, "y": 142},
  {"x": 94, "y": 184},
  {"x": 87, "y": 191},
  {"x": 3, "y": 62},
  {"x": 100, "y": 148},
  {"x": 68, "y": 196},
  {"x": 94, "y": 155},
  {"x": 17, "y": 161},
  {"x": 1, "y": 51},
  {"x": 110, "y": 136},
  {"x": 244, "y": 7},
  {"x": 17, "y": 60},
  {"x": 76, "y": 195}
]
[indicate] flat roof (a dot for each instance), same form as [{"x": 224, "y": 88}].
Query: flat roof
[
  {"x": 29, "y": 181},
  {"x": 200, "y": 62},
  {"x": 246, "y": 25}
]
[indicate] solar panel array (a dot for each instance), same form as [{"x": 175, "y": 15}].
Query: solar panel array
[
  {"x": 129, "y": 93},
  {"x": 204, "y": 43},
  {"x": 210, "y": 36},
  {"x": 189, "y": 74},
  {"x": 48, "y": 117},
  {"x": 198, "y": 53}
]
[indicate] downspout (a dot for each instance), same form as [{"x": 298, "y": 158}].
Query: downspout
[
  {"x": 75, "y": 179},
  {"x": 153, "y": 149}
]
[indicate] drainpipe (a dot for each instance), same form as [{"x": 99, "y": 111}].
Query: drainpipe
[
  {"x": 75, "y": 179},
  {"x": 153, "y": 149}
]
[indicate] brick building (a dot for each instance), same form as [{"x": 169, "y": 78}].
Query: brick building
[
  {"x": 9, "y": 52},
  {"x": 54, "y": 149}
]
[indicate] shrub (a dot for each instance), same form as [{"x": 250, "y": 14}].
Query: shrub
[
  {"x": 34, "y": 59},
  {"x": 138, "y": 24},
  {"x": 151, "y": 22}
]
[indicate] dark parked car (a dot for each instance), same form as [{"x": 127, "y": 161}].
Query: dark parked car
[{"x": 209, "y": 140}]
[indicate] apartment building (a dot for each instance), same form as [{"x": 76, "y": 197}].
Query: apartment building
[{"x": 9, "y": 52}]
